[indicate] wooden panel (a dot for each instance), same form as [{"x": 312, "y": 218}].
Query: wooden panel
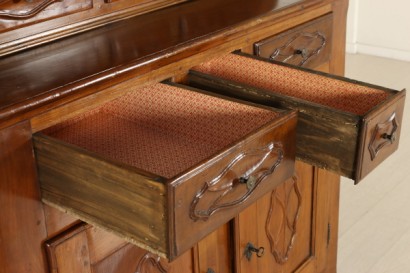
[
  {"x": 326, "y": 218},
  {"x": 86, "y": 249},
  {"x": 68, "y": 252},
  {"x": 215, "y": 252},
  {"x": 308, "y": 45},
  {"x": 131, "y": 259},
  {"x": 124, "y": 260},
  {"x": 381, "y": 134},
  {"x": 57, "y": 221},
  {"x": 102, "y": 243},
  {"x": 22, "y": 223},
  {"x": 38, "y": 19},
  {"x": 281, "y": 223}
]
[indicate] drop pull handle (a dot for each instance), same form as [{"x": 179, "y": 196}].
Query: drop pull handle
[
  {"x": 391, "y": 137},
  {"x": 250, "y": 249}
]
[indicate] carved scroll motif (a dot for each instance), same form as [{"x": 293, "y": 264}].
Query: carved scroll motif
[
  {"x": 313, "y": 43},
  {"x": 237, "y": 181},
  {"x": 23, "y": 9},
  {"x": 282, "y": 219},
  {"x": 384, "y": 134},
  {"x": 150, "y": 262}
]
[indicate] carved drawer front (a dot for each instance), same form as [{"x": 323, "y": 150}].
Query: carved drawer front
[
  {"x": 164, "y": 166},
  {"x": 345, "y": 126},
  {"x": 87, "y": 249},
  {"x": 307, "y": 45},
  {"x": 19, "y": 13}
]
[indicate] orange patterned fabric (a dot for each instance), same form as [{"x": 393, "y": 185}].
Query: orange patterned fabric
[
  {"x": 315, "y": 88},
  {"x": 162, "y": 129}
]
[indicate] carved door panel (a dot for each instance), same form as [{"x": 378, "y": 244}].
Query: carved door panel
[
  {"x": 85, "y": 249},
  {"x": 285, "y": 231}
]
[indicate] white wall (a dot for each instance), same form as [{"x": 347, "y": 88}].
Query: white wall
[{"x": 379, "y": 27}]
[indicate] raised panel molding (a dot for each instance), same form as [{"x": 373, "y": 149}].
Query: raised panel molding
[
  {"x": 150, "y": 262},
  {"x": 18, "y": 13},
  {"x": 282, "y": 220},
  {"x": 22, "y": 9}
]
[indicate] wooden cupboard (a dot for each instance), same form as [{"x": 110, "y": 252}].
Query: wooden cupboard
[{"x": 58, "y": 67}]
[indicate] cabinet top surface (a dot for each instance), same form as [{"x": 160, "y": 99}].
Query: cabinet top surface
[{"x": 30, "y": 77}]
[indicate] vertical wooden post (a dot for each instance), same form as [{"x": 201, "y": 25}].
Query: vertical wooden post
[{"x": 22, "y": 222}]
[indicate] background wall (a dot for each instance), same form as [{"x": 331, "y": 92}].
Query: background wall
[{"x": 380, "y": 28}]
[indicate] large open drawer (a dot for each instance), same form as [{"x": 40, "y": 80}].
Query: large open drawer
[
  {"x": 164, "y": 166},
  {"x": 345, "y": 126}
]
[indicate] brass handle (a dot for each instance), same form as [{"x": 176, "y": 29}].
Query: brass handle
[
  {"x": 391, "y": 137},
  {"x": 384, "y": 134},
  {"x": 249, "y": 181},
  {"x": 250, "y": 249}
]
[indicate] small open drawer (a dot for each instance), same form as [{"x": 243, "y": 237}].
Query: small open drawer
[
  {"x": 345, "y": 126},
  {"x": 164, "y": 166}
]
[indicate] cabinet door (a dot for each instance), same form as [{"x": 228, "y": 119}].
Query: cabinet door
[{"x": 289, "y": 230}]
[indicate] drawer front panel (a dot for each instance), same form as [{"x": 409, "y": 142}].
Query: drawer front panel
[
  {"x": 215, "y": 193},
  {"x": 334, "y": 128},
  {"x": 381, "y": 134},
  {"x": 308, "y": 45}
]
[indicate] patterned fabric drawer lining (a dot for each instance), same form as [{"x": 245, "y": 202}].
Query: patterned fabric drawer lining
[
  {"x": 315, "y": 88},
  {"x": 162, "y": 129}
]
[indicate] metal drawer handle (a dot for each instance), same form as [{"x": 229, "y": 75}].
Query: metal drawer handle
[
  {"x": 250, "y": 249},
  {"x": 210, "y": 270},
  {"x": 249, "y": 181},
  {"x": 385, "y": 133},
  {"x": 391, "y": 137}
]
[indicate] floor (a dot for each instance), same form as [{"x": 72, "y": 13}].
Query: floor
[{"x": 374, "y": 234}]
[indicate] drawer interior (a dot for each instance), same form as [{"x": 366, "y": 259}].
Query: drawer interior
[
  {"x": 162, "y": 129},
  {"x": 313, "y": 87}
]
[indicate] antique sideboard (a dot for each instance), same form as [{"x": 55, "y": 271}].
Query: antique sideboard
[{"x": 158, "y": 136}]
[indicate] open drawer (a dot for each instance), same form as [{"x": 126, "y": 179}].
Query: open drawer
[
  {"x": 164, "y": 166},
  {"x": 344, "y": 126}
]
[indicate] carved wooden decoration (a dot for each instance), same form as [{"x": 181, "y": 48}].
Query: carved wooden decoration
[
  {"x": 150, "y": 262},
  {"x": 282, "y": 219},
  {"x": 384, "y": 134},
  {"x": 18, "y": 13},
  {"x": 302, "y": 47},
  {"x": 237, "y": 181},
  {"x": 23, "y": 9}
]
